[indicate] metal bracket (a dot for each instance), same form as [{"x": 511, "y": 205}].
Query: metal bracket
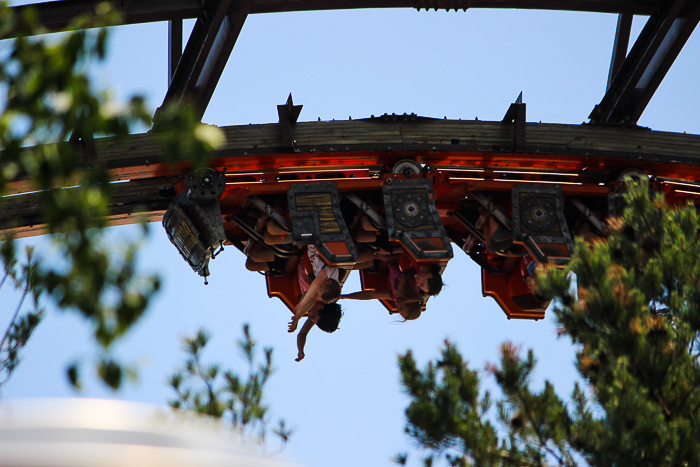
[
  {"x": 371, "y": 213},
  {"x": 288, "y": 115},
  {"x": 620, "y": 46},
  {"x": 645, "y": 66},
  {"x": 516, "y": 114},
  {"x": 470, "y": 225},
  {"x": 174, "y": 46},
  {"x": 488, "y": 205},
  {"x": 270, "y": 211},
  {"x": 587, "y": 212},
  {"x": 616, "y": 203},
  {"x": 203, "y": 61}
]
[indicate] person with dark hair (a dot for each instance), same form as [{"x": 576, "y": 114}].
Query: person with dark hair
[
  {"x": 410, "y": 288},
  {"x": 318, "y": 302},
  {"x": 421, "y": 277},
  {"x": 430, "y": 279},
  {"x": 329, "y": 317},
  {"x": 325, "y": 316},
  {"x": 408, "y": 296}
]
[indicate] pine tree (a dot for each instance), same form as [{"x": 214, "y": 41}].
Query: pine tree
[{"x": 633, "y": 314}]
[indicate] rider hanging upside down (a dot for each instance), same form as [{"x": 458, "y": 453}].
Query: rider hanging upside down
[
  {"x": 410, "y": 289},
  {"x": 319, "y": 300}
]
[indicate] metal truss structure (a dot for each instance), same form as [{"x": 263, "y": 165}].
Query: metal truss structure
[
  {"x": 195, "y": 72},
  {"x": 511, "y": 194}
]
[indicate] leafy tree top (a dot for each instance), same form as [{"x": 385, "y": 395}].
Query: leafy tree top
[{"x": 48, "y": 109}]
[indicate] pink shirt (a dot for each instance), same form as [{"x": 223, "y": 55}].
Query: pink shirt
[
  {"x": 394, "y": 274},
  {"x": 304, "y": 279}
]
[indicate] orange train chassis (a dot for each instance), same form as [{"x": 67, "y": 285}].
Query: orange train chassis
[
  {"x": 543, "y": 201},
  {"x": 429, "y": 187}
]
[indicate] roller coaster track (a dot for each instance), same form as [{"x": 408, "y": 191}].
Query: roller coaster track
[
  {"x": 589, "y": 155},
  {"x": 462, "y": 161}
]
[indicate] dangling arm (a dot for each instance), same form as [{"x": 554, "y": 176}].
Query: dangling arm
[
  {"x": 368, "y": 295},
  {"x": 301, "y": 338},
  {"x": 307, "y": 302}
]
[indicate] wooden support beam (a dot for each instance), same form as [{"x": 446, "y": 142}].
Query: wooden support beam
[
  {"x": 450, "y": 144},
  {"x": 23, "y": 215},
  {"x": 140, "y": 156}
]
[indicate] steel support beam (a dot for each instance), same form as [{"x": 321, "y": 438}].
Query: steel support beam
[
  {"x": 599, "y": 6},
  {"x": 516, "y": 115},
  {"x": 622, "y": 40},
  {"x": 207, "y": 52},
  {"x": 652, "y": 55},
  {"x": 174, "y": 47},
  {"x": 58, "y": 15},
  {"x": 288, "y": 114}
]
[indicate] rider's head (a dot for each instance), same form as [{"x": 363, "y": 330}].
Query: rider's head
[{"x": 329, "y": 317}]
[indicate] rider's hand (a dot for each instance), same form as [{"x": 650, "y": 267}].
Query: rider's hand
[{"x": 293, "y": 325}]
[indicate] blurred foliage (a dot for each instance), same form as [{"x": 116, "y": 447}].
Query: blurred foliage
[
  {"x": 21, "y": 275},
  {"x": 634, "y": 315},
  {"x": 49, "y": 109},
  {"x": 205, "y": 389}
]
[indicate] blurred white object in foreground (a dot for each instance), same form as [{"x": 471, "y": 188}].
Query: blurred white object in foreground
[{"x": 107, "y": 433}]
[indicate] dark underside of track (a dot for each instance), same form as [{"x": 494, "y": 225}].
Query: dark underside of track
[{"x": 375, "y": 143}]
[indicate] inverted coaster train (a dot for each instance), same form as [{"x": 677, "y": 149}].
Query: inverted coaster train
[{"x": 510, "y": 194}]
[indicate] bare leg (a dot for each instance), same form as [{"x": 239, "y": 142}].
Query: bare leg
[
  {"x": 363, "y": 265},
  {"x": 254, "y": 266},
  {"x": 261, "y": 223},
  {"x": 258, "y": 253},
  {"x": 275, "y": 229},
  {"x": 363, "y": 236},
  {"x": 367, "y": 225},
  {"x": 364, "y": 255},
  {"x": 271, "y": 239}
]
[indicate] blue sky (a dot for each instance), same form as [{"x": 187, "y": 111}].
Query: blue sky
[{"x": 344, "y": 399}]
